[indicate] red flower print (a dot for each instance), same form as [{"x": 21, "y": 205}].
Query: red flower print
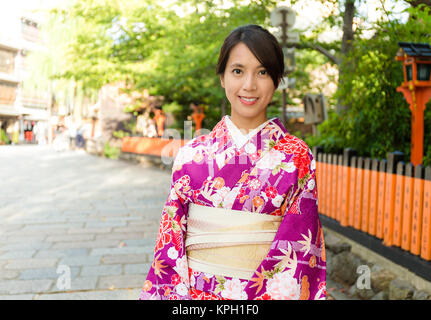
[
  {"x": 301, "y": 162},
  {"x": 292, "y": 145},
  {"x": 175, "y": 279},
  {"x": 264, "y": 297},
  {"x": 174, "y": 297},
  {"x": 164, "y": 235},
  {"x": 240, "y": 193},
  {"x": 196, "y": 194},
  {"x": 271, "y": 192},
  {"x": 322, "y": 285},
  {"x": 277, "y": 212}
]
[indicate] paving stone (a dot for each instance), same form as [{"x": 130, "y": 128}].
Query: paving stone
[
  {"x": 137, "y": 268},
  {"x": 102, "y": 270},
  {"x": 17, "y": 254},
  {"x": 31, "y": 263},
  {"x": 124, "y": 258},
  {"x": 46, "y": 273},
  {"x": 25, "y": 286},
  {"x": 131, "y": 294},
  {"x": 85, "y": 244},
  {"x": 124, "y": 250},
  {"x": 17, "y": 297},
  {"x": 121, "y": 281},
  {"x": 70, "y": 237},
  {"x": 81, "y": 261},
  {"x": 60, "y": 253}
]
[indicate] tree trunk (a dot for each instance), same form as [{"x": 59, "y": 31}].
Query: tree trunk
[{"x": 346, "y": 43}]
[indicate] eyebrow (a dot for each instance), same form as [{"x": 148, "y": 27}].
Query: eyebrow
[{"x": 242, "y": 66}]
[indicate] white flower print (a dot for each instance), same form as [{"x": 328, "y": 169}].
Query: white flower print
[
  {"x": 181, "y": 268},
  {"x": 290, "y": 167},
  {"x": 234, "y": 289},
  {"x": 250, "y": 148},
  {"x": 185, "y": 155},
  {"x": 311, "y": 184},
  {"x": 181, "y": 289},
  {"x": 282, "y": 286},
  {"x": 255, "y": 184},
  {"x": 229, "y": 199},
  {"x": 277, "y": 200},
  {"x": 271, "y": 160},
  {"x": 172, "y": 253},
  {"x": 313, "y": 165}
]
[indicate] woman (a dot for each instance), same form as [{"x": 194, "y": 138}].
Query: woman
[{"x": 241, "y": 220}]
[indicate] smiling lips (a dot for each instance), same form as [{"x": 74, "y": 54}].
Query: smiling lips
[{"x": 248, "y": 100}]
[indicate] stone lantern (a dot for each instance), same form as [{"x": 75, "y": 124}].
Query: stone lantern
[{"x": 416, "y": 87}]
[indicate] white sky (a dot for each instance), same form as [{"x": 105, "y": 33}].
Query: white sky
[{"x": 309, "y": 13}]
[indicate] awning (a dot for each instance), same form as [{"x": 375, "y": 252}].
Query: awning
[{"x": 9, "y": 111}]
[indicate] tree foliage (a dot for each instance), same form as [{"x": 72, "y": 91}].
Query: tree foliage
[{"x": 379, "y": 120}]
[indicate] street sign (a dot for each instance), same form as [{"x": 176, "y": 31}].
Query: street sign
[
  {"x": 291, "y": 37},
  {"x": 286, "y": 83},
  {"x": 277, "y": 19}
]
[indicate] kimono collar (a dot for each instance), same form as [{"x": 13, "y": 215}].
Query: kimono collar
[{"x": 238, "y": 136}]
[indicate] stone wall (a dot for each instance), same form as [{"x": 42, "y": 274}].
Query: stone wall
[{"x": 360, "y": 274}]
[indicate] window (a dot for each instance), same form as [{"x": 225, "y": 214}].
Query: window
[{"x": 7, "y": 61}]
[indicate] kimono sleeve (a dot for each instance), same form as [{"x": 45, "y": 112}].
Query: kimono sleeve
[
  {"x": 295, "y": 267},
  {"x": 168, "y": 276}
]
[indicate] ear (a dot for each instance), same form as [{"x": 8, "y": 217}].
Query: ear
[{"x": 222, "y": 80}]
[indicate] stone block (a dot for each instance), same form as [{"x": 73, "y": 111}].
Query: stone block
[{"x": 400, "y": 289}]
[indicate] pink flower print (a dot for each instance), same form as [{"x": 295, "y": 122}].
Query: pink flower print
[
  {"x": 254, "y": 156},
  {"x": 282, "y": 286},
  {"x": 255, "y": 184},
  {"x": 234, "y": 289},
  {"x": 271, "y": 192},
  {"x": 185, "y": 180}
]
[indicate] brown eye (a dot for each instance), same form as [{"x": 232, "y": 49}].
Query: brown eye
[{"x": 236, "y": 71}]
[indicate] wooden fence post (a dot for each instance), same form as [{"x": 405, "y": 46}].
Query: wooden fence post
[
  {"x": 388, "y": 218},
  {"x": 374, "y": 199},
  {"x": 366, "y": 195},
  {"x": 325, "y": 183},
  {"x": 426, "y": 219},
  {"x": 347, "y": 154},
  {"x": 407, "y": 207},
  {"x": 340, "y": 186},
  {"x": 399, "y": 200},
  {"x": 319, "y": 182},
  {"x": 381, "y": 195},
  {"x": 418, "y": 193},
  {"x": 359, "y": 193}
]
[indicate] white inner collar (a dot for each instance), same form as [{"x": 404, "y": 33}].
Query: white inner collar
[{"x": 240, "y": 137}]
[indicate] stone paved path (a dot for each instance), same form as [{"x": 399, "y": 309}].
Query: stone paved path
[{"x": 76, "y": 226}]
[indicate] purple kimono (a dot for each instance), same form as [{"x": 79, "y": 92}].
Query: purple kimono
[{"x": 273, "y": 173}]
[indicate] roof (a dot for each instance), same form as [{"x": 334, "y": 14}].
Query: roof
[{"x": 415, "y": 49}]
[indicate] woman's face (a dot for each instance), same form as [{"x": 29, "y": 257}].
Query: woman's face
[{"x": 249, "y": 88}]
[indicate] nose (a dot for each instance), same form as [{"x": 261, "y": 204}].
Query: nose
[{"x": 249, "y": 83}]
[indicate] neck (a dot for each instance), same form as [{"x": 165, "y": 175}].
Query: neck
[{"x": 247, "y": 123}]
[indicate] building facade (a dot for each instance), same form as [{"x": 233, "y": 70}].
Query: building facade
[{"x": 24, "y": 112}]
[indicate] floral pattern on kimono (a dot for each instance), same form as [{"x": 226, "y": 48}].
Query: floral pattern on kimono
[{"x": 274, "y": 174}]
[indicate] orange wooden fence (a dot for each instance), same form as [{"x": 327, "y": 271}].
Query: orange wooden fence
[{"x": 387, "y": 199}]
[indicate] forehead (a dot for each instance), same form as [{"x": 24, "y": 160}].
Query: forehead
[{"x": 240, "y": 54}]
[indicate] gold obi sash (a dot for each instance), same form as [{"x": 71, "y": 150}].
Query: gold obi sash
[{"x": 226, "y": 242}]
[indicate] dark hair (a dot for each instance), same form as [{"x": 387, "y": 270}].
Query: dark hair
[{"x": 261, "y": 43}]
